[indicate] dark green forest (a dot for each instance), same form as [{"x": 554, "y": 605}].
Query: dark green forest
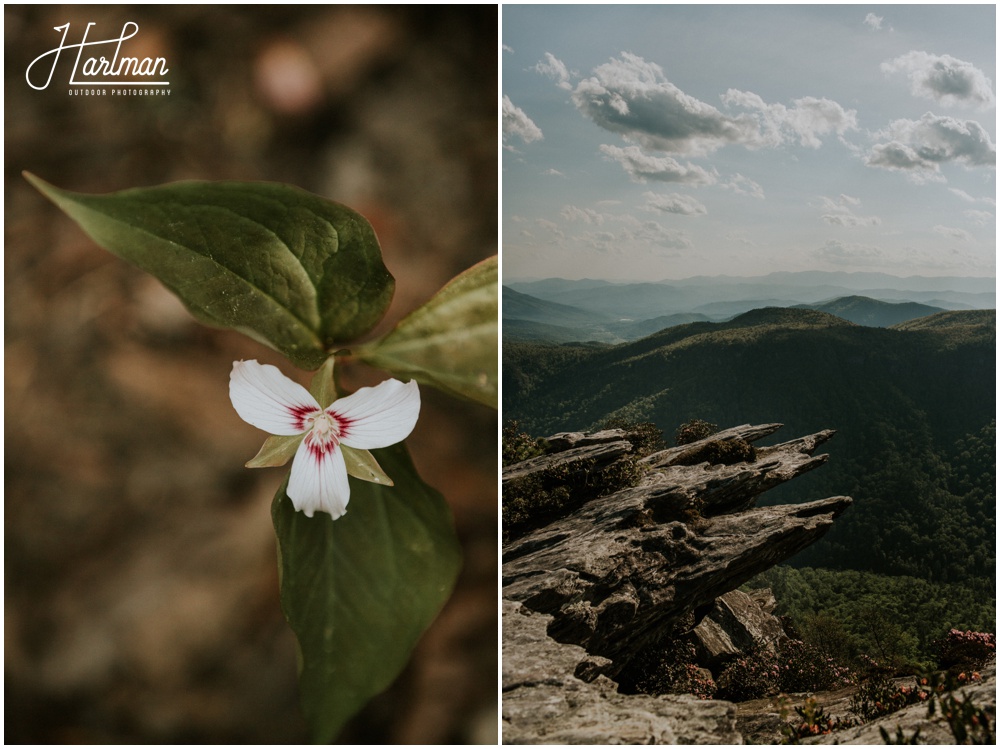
[
  {"x": 896, "y": 619},
  {"x": 913, "y": 405}
]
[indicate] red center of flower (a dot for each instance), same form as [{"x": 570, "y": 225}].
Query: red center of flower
[
  {"x": 300, "y": 416},
  {"x": 324, "y": 434}
]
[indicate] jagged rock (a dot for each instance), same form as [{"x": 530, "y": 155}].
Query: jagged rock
[
  {"x": 619, "y": 572},
  {"x": 736, "y": 624},
  {"x": 544, "y": 703},
  {"x": 682, "y": 453},
  {"x": 765, "y": 599},
  {"x": 624, "y": 569},
  {"x": 597, "y": 455},
  {"x": 566, "y": 440}
]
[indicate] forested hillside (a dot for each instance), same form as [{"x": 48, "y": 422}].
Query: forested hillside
[
  {"x": 879, "y": 314},
  {"x": 914, "y": 407}
]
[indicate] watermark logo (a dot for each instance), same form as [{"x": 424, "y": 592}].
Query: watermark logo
[{"x": 114, "y": 68}]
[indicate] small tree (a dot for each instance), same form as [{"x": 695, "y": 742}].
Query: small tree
[
  {"x": 694, "y": 430},
  {"x": 646, "y": 437},
  {"x": 517, "y": 445}
]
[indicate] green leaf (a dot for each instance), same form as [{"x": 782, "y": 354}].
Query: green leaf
[
  {"x": 362, "y": 464},
  {"x": 276, "y": 451},
  {"x": 450, "y": 342},
  {"x": 323, "y": 387},
  {"x": 359, "y": 591},
  {"x": 290, "y": 269}
]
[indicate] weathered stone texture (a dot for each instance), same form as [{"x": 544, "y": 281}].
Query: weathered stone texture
[{"x": 588, "y": 592}]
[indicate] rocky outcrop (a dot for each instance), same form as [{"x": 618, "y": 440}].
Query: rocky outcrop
[
  {"x": 621, "y": 571},
  {"x": 545, "y": 703},
  {"x": 597, "y": 450}
]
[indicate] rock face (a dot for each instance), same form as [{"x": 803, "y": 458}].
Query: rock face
[
  {"x": 621, "y": 571},
  {"x": 736, "y": 624},
  {"x": 544, "y": 703}
]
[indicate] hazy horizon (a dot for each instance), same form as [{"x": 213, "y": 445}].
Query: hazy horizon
[
  {"x": 666, "y": 142},
  {"x": 509, "y": 278}
]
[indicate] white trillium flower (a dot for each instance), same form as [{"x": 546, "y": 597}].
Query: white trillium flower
[{"x": 372, "y": 417}]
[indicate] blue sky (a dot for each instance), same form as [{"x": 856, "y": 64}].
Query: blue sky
[{"x": 655, "y": 142}]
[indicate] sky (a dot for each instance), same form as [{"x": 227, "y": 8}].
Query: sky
[{"x": 663, "y": 142}]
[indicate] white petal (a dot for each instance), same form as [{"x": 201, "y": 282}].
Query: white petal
[
  {"x": 378, "y": 416},
  {"x": 319, "y": 480},
  {"x": 264, "y": 397}
]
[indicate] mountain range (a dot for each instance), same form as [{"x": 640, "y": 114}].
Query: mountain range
[{"x": 560, "y": 310}]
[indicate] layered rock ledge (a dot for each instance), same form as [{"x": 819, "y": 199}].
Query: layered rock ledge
[{"x": 615, "y": 575}]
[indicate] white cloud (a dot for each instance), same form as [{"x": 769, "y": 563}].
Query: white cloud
[
  {"x": 874, "y": 22},
  {"x": 849, "y": 253},
  {"x": 805, "y": 120},
  {"x": 743, "y": 186},
  {"x": 553, "y": 173},
  {"x": 555, "y": 69},
  {"x": 850, "y": 220},
  {"x": 953, "y": 233},
  {"x": 673, "y": 202},
  {"x": 839, "y": 213},
  {"x": 988, "y": 200},
  {"x": 602, "y": 241},
  {"x": 587, "y": 215},
  {"x": 642, "y": 235},
  {"x": 632, "y": 97},
  {"x": 944, "y": 79},
  {"x": 979, "y": 218},
  {"x": 652, "y": 233},
  {"x": 740, "y": 238},
  {"x": 550, "y": 226},
  {"x": 643, "y": 168},
  {"x": 517, "y": 123},
  {"x": 919, "y": 147}
]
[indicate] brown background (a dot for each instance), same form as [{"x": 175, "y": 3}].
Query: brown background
[{"x": 141, "y": 593}]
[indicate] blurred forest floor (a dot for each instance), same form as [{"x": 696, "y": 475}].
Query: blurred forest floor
[{"x": 141, "y": 591}]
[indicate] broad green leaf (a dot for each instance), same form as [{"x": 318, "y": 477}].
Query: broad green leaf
[
  {"x": 359, "y": 591},
  {"x": 288, "y": 268},
  {"x": 450, "y": 342}
]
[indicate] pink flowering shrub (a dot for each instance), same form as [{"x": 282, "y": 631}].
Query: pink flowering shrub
[
  {"x": 965, "y": 650},
  {"x": 812, "y": 720},
  {"x": 796, "y": 667},
  {"x": 879, "y": 695},
  {"x": 804, "y": 668},
  {"x": 750, "y": 677},
  {"x": 673, "y": 671}
]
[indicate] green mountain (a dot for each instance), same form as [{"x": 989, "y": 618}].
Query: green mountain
[
  {"x": 866, "y": 311},
  {"x": 518, "y": 306},
  {"x": 914, "y": 406},
  {"x": 528, "y": 318},
  {"x": 968, "y": 322}
]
